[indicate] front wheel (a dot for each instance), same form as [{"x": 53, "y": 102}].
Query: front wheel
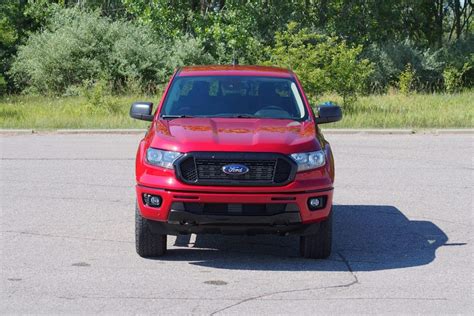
[
  {"x": 318, "y": 246},
  {"x": 147, "y": 244}
]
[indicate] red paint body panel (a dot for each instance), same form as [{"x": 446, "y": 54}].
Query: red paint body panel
[
  {"x": 234, "y": 135},
  {"x": 227, "y": 70},
  {"x": 161, "y": 214}
]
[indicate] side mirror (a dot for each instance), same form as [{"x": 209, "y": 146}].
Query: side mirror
[
  {"x": 142, "y": 111},
  {"x": 328, "y": 112}
]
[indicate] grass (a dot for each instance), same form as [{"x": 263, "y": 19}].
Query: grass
[
  {"x": 376, "y": 111},
  {"x": 410, "y": 111},
  {"x": 38, "y": 112}
]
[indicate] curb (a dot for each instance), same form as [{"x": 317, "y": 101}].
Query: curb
[
  {"x": 16, "y": 131},
  {"x": 350, "y": 131},
  {"x": 389, "y": 131},
  {"x": 71, "y": 131},
  {"x": 101, "y": 131},
  {"x": 341, "y": 131},
  {"x": 455, "y": 131}
]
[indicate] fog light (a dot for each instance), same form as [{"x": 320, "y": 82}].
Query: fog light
[
  {"x": 314, "y": 202},
  {"x": 155, "y": 200},
  {"x": 317, "y": 203},
  {"x": 152, "y": 200}
]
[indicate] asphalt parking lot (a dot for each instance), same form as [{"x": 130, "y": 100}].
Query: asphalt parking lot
[{"x": 403, "y": 235}]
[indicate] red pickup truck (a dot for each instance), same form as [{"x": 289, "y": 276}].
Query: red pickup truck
[{"x": 234, "y": 150}]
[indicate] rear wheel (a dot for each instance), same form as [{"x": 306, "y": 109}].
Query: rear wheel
[
  {"x": 318, "y": 246},
  {"x": 147, "y": 244}
]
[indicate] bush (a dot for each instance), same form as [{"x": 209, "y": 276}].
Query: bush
[
  {"x": 3, "y": 85},
  {"x": 186, "y": 50},
  {"x": 406, "y": 80},
  {"x": 390, "y": 62},
  {"x": 453, "y": 77},
  {"x": 459, "y": 58},
  {"x": 80, "y": 46},
  {"x": 391, "y": 58},
  {"x": 98, "y": 96},
  {"x": 323, "y": 64}
]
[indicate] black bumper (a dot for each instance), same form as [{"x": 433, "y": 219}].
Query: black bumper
[{"x": 183, "y": 222}]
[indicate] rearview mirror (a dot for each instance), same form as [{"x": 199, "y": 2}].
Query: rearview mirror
[
  {"x": 142, "y": 111},
  {"x": 328, "y": 112}
]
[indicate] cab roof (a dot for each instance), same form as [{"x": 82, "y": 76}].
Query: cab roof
[{"x": 237, "y": 70}]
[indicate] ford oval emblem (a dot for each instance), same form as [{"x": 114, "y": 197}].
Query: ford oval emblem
[{"x": 235, "y": 169}]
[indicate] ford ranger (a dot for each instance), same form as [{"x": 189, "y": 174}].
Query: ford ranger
[{"x": 234, "y": 150}]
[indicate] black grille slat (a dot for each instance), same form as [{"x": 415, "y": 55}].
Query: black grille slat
[
  {"x": 188, "y": 169},
  {"x": 283, "y": 168},
  {"x": 203, "y": 168}
]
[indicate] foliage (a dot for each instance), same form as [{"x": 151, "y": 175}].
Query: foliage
[
  {"x": 453, "y": 77},
  {"x": 361, "y": 22},
  {"x": 226, "y": 32},
  {"x": 228, "y": 36},
  {"x": 41, "y": 11},
  {"x": 3, "y": 86},
  {"x": 14, "y": 27},
  {"x": 391, "y": 58},
  {"x": 98, "y": 95},
  {"x": 185, "y": 50},
  {"x": 95, "y": 47},
  {"x": 139, "y": 42},
  {"x": 323, "y": 64},
  {"x": 168, "y": 20},
  {"x": 406, "y": 79},
  {"x": 460, "y": 55}
]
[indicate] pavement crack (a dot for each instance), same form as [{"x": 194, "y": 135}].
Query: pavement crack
[
  {"x": 348, "y": 265},
  {"x": 346, "y": 285},
  {"x": 253, "y": 298},
  {"x": 62, "y": 236}
]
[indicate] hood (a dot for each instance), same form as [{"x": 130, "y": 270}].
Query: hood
[{"x": 235, "y": 134}]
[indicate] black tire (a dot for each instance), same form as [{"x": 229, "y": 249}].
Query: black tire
[
  {"x": 147, "y": 244},
  {"x": 318, "y": 246}
]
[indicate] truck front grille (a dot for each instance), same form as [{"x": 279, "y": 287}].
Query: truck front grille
[{"x": 203, "y": 168}]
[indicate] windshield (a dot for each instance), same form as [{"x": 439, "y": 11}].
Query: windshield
[{"x": 234, "y": 96}]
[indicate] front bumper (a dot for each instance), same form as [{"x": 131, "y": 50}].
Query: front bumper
[
  {"x": 186, "y": 223},
  {"x": 165, "y": 212}
]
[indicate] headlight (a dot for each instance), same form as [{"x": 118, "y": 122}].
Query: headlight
[
  {"x": 311, "y": 160},
  {"x": 162, "y": 158}
]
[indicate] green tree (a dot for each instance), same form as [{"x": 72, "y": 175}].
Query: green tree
[
  {"x": 14, "y": 28},
  {"x": 323, "y": 64}
]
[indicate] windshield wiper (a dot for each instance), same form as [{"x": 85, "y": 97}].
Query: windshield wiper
[{"x": 172, "y": 116}]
